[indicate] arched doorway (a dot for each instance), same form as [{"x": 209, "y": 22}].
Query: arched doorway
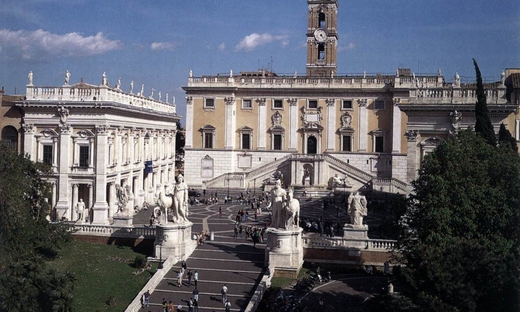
[{"x": 312, "y": 145}]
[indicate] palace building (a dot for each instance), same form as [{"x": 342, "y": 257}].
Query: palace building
[
  {"x": 95, "y": 138},
  {"x": 242, "y": 129}
]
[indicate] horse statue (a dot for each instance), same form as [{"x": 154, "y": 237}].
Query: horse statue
[
  {"x": 292, "y": 211},
  {"x": 164, "y": 202}
]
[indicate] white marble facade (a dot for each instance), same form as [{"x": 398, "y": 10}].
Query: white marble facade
[{"x": 96, "y": 137}]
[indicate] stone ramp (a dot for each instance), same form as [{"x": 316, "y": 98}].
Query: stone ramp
[{"x": 225, "y": 260}]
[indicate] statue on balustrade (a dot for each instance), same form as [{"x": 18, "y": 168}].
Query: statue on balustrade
[{"x": 357, "y": 208}]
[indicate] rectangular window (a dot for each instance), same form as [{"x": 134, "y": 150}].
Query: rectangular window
[
  {"x": 208, "y": 140},
  {"x": 247, "y": 104},
  {"x": 346, "y": 145},
  {"x": 379, "y": 105},
  {"x": 313, "y": 104},
  {"x": 380, "y": 144},
  {"x": 347, "y": 104},
  {"x": 246, "y": 141},
  {"x": 278, "y": 104},
  {"x": 209, "y": 103},
  {"x": 84, "y": 152},
  {"x": 277, "y": 142},
  {"x": 47, "y": 154}
]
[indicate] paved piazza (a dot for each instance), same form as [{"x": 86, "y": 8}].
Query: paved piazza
[{"x": 234, "y": 261}]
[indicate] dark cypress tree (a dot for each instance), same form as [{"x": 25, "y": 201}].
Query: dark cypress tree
[
  {"x": 483, "y": 125},
  {"x": 505, "y": 137}
]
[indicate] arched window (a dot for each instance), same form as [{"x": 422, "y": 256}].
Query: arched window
[
  {"x": 321, "y": 20},
  {"x": 312, "y": 145},
  {"x": 10, "y": 136}
]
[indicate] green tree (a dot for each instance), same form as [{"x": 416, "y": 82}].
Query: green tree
[
  {"x": 483, "y": 124},
  {"x": 461, "y": 249},
  {"x": 28, "y": 239},
  {"x": 505, "y": 137}
]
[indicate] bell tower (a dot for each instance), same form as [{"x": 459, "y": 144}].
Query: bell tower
[{"x": 322, "y": 38}]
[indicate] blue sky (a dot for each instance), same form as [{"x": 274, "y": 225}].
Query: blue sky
[{"x": 156, "y": 43}]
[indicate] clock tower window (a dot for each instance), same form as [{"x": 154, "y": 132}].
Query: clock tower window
[
  {"x": 321, "y": 51},
  {"x": 321, "y": 20}
]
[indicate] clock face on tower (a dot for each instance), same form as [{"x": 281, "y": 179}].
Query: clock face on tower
[{"x": 320, "y": 35}]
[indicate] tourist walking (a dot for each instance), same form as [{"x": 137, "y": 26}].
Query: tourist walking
[
  {"x": 190, "y": 305},
  {"x": 189, "y": 275},
  {"x": 196, "y": 294},
  {"x": 179, "y": 278},
  {"x": 195, "y": 305},
  {"x": 224, "y": 291},
  {"x": 227, "y": 306},
  {"x": 146, "y": 299},
  {"x": 196, "y": 278},
  {"x": 220, "y": 211}
]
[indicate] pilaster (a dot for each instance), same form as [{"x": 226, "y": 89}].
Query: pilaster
[
  {"x": 230, "y": 122},
  {"x": 396, "y": 126},
  {"x": 100, "y": 208},
  {"x": 411, "y": 158},
  {"x": 331, "y": 124},
  {"x": 293, "y": 119},
  {"x": 363, "y": 124},
  {"x": 189, "y": 122},
  {"x": 262, "y": 126}
]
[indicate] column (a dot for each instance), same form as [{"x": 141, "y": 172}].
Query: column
[
  {"x": 230, "y": 122},
  {"x": 53, "y": 201},
  {"x": 189, "y": 122},
  {"x": 63, "y": 204},
  {"x": 100, "y": 208},
  {"x": 112, "y": 199},
  {"x": 331, "y": 124},
  {"x": 74, "y": 215},
  {"x": 262, "y": 126},
  {"x": 362, "y": 124},
  {"x": 90, "y": 201},
  {"x": 396, "y": 127},
  {"x": 293, "y": 127}
]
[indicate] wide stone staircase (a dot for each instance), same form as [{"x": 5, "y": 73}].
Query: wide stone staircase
[{"x": 224, "y": 260}]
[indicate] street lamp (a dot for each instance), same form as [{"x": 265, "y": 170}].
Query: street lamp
[
  {"x": 160, "y": 257},
  {"x": 254, "y": 187}
]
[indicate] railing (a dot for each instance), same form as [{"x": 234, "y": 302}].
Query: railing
[
  {"x": 349, "y": 168},
  {"x": 345, "y": 243},
  {"x": 113, "y": 231},
  {"x": 86, "y": 93}
]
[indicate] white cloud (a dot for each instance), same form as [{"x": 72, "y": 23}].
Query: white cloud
[
  {"x": 39, "y": 44},
  {"x": 250, "y": 42},
  {"x": 156, "y": 46},
  {"x": 222, "y": 46},
  {"x": 350, "y": 46}
]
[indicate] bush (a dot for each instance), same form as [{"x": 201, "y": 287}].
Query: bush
[{"x": 140, "y": 262}]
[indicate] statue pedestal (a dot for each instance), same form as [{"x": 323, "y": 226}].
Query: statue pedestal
[
  {"x": 284, "y": 252},
  {"x": 174, "y": 239},
  {"x": 124, "y": 221},
  {"x": 356, "y": 234}
]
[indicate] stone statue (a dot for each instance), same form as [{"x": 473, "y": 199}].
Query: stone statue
[
  {"x": 357, "y": 208},
  {"x": 80, "y": 210},
  {"x": 337, "y": 180},
  {"x": 118, "y": 84},
  {"x": 132, "y": 87},
  {"x": 292, "y": 211},
  {"x": 67, "y": 78},
  {"x": 123, "y": 195},
  {"x": 457, "y": 80},
  {"x": 502, "y": 78},
  {"x": 180, "y": 200},
  {"x": 142, "y": 90},
  {"x": 104, "y": 79},
  {"x": 166, "y": 100},
  {"x": 278, "y": 198},
  {"x": 30, "y": 77},
  {"x": 159, "y": 96},
  {"x": 164, "y": 203}
]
